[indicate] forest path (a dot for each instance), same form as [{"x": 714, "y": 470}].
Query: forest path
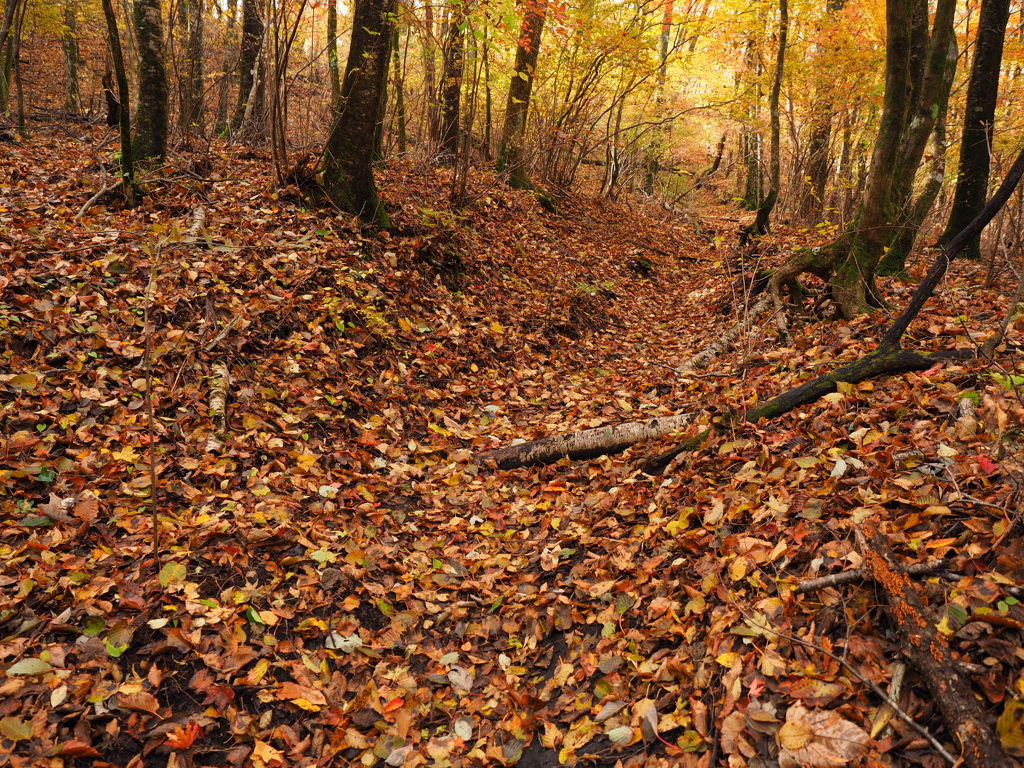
[{"x": 338, "y": 580}]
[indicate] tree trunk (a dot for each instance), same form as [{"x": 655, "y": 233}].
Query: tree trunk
[
  {"x": 151, "y": 130},
  {"x": 764, "y": 211},
  {"x": 702, "y": 180},
  {"x": 124, "y": 122},
  {"x": 430, "y": 73},
  {"x": 347, "y": 167},
  {"x": 975, "y": 147},
  {"x": 451, "y": 81},
  {"x": 69, "y": 44},
  {"x": 915, "y": 75},
  {"x": 190, "y": 119},
  {"x": 487, "y": 95},
  {"x": 894, "y": 261},
  {"x": 399, "y": 81},
  {"x": 333, "y": 62},
  {"x": 511, "y": 156},
  {"x": 5, "y": 32},
  {"x": 248, "y": 60}
]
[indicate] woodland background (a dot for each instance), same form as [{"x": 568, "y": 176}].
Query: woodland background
[{"x": 262, "y": 499}]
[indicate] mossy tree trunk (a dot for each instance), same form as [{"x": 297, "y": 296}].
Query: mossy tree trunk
[
  {"x": 915, "y": 76},
  {"x": 975, "y": 147},
  {"x": 399, "y": 85},
  {"x": 346, "y": 172},
  {"x": 150, "y": 141},
  {"x": 894, "y": 261},
  {"x": 511, "y": 155}
]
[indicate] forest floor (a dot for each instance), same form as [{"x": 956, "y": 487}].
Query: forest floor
[{"x": 339, "y": 583}]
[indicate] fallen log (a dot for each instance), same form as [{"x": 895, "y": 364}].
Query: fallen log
[
  {"x": 928, "y": 652},
  {"x": 888, "y": 359},
  {"x": 586, "y": 444}
]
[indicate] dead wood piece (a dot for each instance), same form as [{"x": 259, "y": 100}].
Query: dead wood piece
[
  {"x": 586, "y": 444},
  {"x": 722, "y": 343},
  {"x": 92, "y": 200},
  {"x": 219, "y": 387},
  {"x": 198, "y": 221},
  {"x": 929, "y": 568},
  {"x": 930, "y": 655}
]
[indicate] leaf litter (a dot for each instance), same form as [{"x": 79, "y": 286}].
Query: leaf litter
[{"x": 339, "y": 583}]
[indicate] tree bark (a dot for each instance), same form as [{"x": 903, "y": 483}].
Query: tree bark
[
  {"x": 511, "y": 156},
  {"x": 451, "y": 80},
  {"x": 124, "y": 122},
  {"x": 346, "y": 173},
  {"x": 151, "y": 129},
  {"x": 248, "y": 59},
  {"x": 586, "y": 444},
  {"x": 915, "y": 75},
  {"x": 430, "y": 73},
  {"x": 333, "y": 62},
  {"x": 894, "y": 261},
  {"x": 976, "y": 144},
  {"x": 190, "y": 119},
  {"x": 5, "y": 30},
  {"x": 72, "y": 57},
  {"x": 964, "y": 716},
  {"x": 399, "y": 81}
]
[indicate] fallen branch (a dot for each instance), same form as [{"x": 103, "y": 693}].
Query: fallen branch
[
  {"x": 930, "y": 655},
  {"x": 92, "y": 200},
  {"x": 586, "y": 444},
  {"x": 220, "y": 385},
  {"x": 858, "y": 574},
  {"x": 888, "y": 699}
]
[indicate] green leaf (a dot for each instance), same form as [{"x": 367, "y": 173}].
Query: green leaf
[
  {"x": 113, "y": 649},
  {"x": 172, "y": 573},
  {"x": 29, "y": 666},
  {"x": 623, "y": 602},
  {"x": 15, "y": 729},
  {"x": 253, "y": 616},
  {"x": 93, "y": 626}
]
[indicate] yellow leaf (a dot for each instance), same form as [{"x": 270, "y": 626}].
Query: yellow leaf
[
  {"x": 729, "y": 659},
  {"x": 26, "y": 381},
  {"x": 126, "y": 454}
]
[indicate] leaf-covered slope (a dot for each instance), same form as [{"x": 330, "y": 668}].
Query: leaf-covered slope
[{"x": 339, "y": 582}]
